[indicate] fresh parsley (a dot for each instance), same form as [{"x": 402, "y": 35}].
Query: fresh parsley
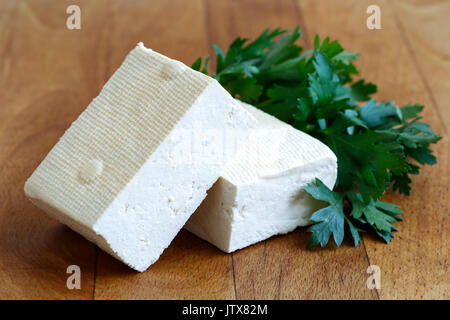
[{"x": 377, "y": 144}]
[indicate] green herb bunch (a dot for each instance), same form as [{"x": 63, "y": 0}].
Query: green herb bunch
[{"x": 377, "y": 144}]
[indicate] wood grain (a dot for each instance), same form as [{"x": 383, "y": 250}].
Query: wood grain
[
  {"x": 182, "y": 271},
  {"x": 415, "y": 263},
  {"x": 189, "y": 269},
  {"x": 281, "y": 268},
  {"x": 49, "y": 74},
  {"x": 41, "y": 94},
  {"x": 425, "y": 27}
]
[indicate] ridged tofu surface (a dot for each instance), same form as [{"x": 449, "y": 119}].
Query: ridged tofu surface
[
  {"x": 260, "y": 193},
  {"x": 116, "y": 175}
]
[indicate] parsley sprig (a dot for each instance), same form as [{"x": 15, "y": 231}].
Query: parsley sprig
[{"x": 377, "y": 144}]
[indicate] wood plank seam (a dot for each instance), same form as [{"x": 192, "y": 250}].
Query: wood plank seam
[
  {"x": 212, "y": 64},
  {"x": 407, "y": 42},
  {"x": 303, "y": 30},
  {"x": 279, "y": 279},
  {"x": 234, "y": 277},
  {"x": 369, "y": 263},
  {"x": 106, "y": 75},
  {"x": 95, "y": 271},
  {"x": 11, "y": 21},
  {"x": 305, "y": 34},
  {"x": 209, "y": 40}
]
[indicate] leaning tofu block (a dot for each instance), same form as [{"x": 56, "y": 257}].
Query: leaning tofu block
[
  {"x": 260, "y": 194},
  {"x": 115, "y": 177}
]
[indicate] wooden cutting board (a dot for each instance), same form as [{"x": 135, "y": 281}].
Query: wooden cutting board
[{"x": 49, "y": 74}]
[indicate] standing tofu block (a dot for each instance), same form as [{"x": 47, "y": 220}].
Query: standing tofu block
[
  {"x": 113, "y": 177},
  {"x": 260, "y": 194}
]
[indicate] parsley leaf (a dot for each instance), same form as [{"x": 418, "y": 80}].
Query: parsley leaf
[
  {"x": 330, "y": 219},
  {"x": 378, "y": 214},
  {"x": 377, "y": 144},
  {"x": 361, "y": 91}
]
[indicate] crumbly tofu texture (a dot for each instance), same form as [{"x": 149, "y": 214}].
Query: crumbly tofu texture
[
  {"x": 260, "y": 193},
  {"x": 112, "y": 176}
]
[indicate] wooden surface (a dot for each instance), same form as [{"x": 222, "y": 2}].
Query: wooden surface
[{"x": 49, "y": 74}]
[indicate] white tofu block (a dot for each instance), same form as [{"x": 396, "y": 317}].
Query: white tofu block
[
  {"x": 116, "y": 175},
  {"x": 260, "y": 193}
]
